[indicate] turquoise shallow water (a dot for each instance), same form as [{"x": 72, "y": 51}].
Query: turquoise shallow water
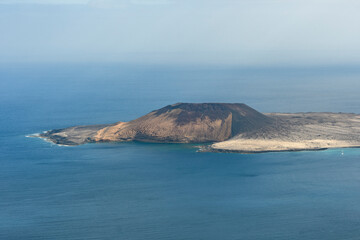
[{"x": 169, "y": 191}]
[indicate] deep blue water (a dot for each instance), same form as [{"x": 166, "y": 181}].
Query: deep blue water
[{"x": 143, "y": 191}]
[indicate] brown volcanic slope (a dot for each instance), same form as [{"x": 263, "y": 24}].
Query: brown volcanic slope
[{"x": 178, "y": 123}]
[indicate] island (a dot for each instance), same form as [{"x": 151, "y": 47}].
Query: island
[{"x": 224, "y": 127}]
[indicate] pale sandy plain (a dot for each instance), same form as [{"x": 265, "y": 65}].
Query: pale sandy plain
[{"x": 296, "y": 132}]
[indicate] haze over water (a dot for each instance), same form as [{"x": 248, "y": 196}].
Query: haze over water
[{"x": 169, "y": 191}]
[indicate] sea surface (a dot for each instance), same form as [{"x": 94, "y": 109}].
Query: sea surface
[{"x": 141, "y": 191}]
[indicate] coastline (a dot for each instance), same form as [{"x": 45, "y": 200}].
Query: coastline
[
  {"x": 229, "y": 127},
  {"x": 214, "y": 150},
  {"x": 211, "y": 148}
]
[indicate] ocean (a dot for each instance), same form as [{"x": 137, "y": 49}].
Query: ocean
[{"x": 140, "y": 191}]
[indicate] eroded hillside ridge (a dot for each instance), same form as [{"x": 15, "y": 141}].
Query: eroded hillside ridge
[
  {"x": 187, "y": 122},
  {"x": 177, "y": 123}
]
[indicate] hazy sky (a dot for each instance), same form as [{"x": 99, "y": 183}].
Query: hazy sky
[{"x": 238, "y": 32}]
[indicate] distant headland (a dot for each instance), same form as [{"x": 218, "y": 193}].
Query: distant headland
[{"x": 230, "y": 127}]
